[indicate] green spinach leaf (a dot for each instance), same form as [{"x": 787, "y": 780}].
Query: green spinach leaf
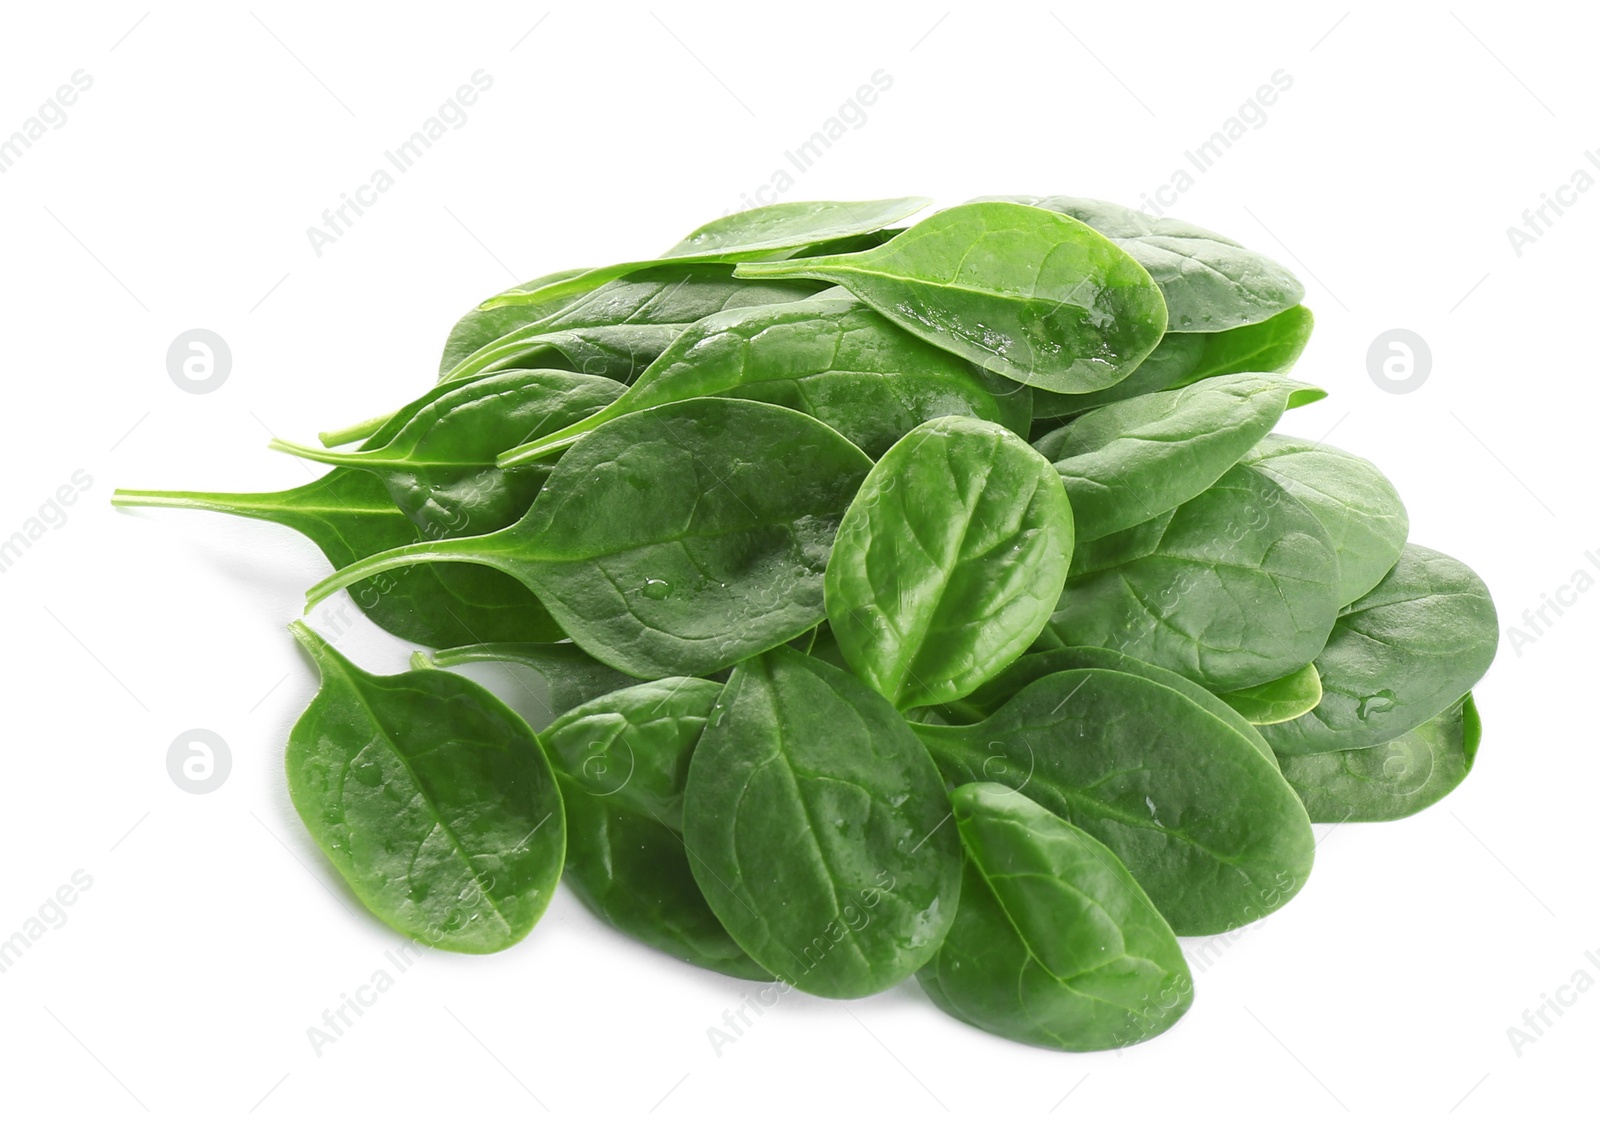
[
  {"x": 1210, "y": 283},
  {"x": 1054, "y": 943},
  {"x": 1195, "y": 810},
  {"x": 1392, "y": 780},
  {"x": 1039, "y": 298},
  {"x": 432, "y": 800},
  {"x": 761, "y": 232},
  {"x": 1362, "y": 512},
  {"x": 1234, "y": 588},
  {"x": 1128, "y": 462},
  {"x": 350, "y": 516},
  {"x": 1398, "y": 656},
  {"x": 836, "y": 360},
  {"x": 949, "y": 561},
  {"x": 674, "y": 541},
  {"x": 1280, "y": 700},
  {"x": 568, "y": 676},
  {"x": 439, "y": 465},
  {"x": 818, "y": 828}
]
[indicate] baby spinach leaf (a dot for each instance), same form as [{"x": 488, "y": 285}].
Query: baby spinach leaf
[
  {"x": 1037, "y": 665},
  {"x": 674, "y": 541},
  {"x": 1234, "y": 588},
  {"x": 1398, "y": 656},
  {"x": 439, "y": 465},
  {"x": 623, "y": 760},
  {"x": 761, "y": 232},
  {"x": 1392, "y": 780},
  {"x": 432, "y": 800},
  {"x": 818, "y": 828},
  {"x": 1039, "y": 298},
  {"x": 1182, "y": 358},
  {"x": 1280, "y": 700},
  {"x": 949, "y": 561},
  {"x": 1210, "y": 283},
  {"x": 1195, "y": 810},
  {"x": 668, "y": 298},
  {"x": 633, "y": 873},
  {"x": 1054, "y": 943},
  {"x": 1128, "y": 462},
  {"x": 1273, "y": 344},
  {"x": 836, "y": 360},
  {"x": 351, "y": 517},
  {"x": 1362, "y": 512},
  {"x": 483, "y": 326},
  {"x": 568, "y": 675},
  {"x": 633, "y": 746}
]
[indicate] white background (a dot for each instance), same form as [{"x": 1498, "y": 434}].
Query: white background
[{"x": 177, "y": 195}]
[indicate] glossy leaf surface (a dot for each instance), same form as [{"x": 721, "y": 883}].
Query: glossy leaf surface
[
  {"x": 1279, "y": 700},
  {"x": 757, "y": 233},
  {"x": 1401, "y": 654},
  {"x": 836, "y": 360},
  {"x": 1392, "y": 780},
  {"x": 1236, "y": 587},
  {"x": 1193, "y": 808},
  {"x": 1128, "y": 462},
  {"x": 1210, "y": 283},
  {"x": 677, "y": 540},
  {"x": 1361, "y": 510},
  {"x": 949, "y": 561},
  {"x": 1036, "y": 297},
  {"x": 432, "y": 800},
  {"x": 1054, "y": 943},
  {"x": 818, "y": 828}
]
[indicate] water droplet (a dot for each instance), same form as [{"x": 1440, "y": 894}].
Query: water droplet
[
  {"x": 657, "y": 589},
  {"x": 1375, "y": 704}
]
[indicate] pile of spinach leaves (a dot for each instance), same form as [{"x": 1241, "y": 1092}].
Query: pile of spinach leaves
[{"x": 929, "y": 601}]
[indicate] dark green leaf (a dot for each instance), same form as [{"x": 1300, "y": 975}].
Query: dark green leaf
[
  {"x": 949, "y": 562},
  {"x": 761, "y": 232},
  {"x": 1349, "y": 496},
  {"x": 677, "y": 540},
  {"x": 1054, "y": 943},
  {"x": 351, "y": 517},
  {"x": 1128, "y": 462},
  {"x": 1195, "y": 810},
  {"x": 568, "y": 676},
  {"x": 1039, "y": 298},
  {"x": 1401, "y": 654},
  {"x": 1393, "y": 780},
  {"x": 431, "y": 798},
  {"x": 818, "y": 828},
  {"x": 1234, "y": 588},
  {"x": 1210, "y": 283},
  {"x": 836, "y": 360}
]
